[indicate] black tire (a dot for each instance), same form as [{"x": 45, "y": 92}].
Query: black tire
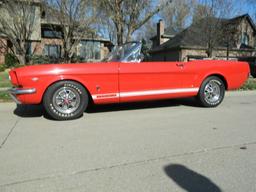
[
  {"x": 65, "y": 100},
  {"x": 212, "y": 92}
]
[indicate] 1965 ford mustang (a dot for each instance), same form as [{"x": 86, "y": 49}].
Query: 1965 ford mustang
[{"x": 66, "y": 89}]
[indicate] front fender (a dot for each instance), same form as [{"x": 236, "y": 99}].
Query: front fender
[{"x": 41, "y": 84}]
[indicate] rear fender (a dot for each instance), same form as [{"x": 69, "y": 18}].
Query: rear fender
[
  {"x": 220, "y": 75},
  {"x": 215, "y": 73}
]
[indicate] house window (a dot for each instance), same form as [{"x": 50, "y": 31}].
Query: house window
[
  {"x": 89, "y": 50},
  {"x": 245, "y": 39},
  {"x": 9, "y": 45},
  {"x": 52, "y": 51},
  {"x": 50, "y": 33},
  {"x": 43, "y": 15}
]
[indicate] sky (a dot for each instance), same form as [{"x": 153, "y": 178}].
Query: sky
[
  {"x": 246, "y": 7},
  {"x": 241, "y": 7}
]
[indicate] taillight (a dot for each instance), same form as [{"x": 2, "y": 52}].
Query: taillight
[{"x": 13, "y": 78}]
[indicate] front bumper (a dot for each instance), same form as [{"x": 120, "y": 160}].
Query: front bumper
[{"x": 20, "y": 91}]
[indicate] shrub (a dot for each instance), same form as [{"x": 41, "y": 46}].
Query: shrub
[
  {"x": 10, "y": 60},
  {"x": 39, "y": 59},
  {"x": 77, "y": 59},
  {"x": 2, "y": 67},
  {"x": 249, "y": 85}
]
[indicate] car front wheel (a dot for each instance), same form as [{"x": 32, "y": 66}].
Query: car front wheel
[
  {"x": 212, "y": 92},
  {"x": 65, "y": 100}
]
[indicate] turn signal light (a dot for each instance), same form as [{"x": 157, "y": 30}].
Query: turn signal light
[{"x": 13, "y": 78}]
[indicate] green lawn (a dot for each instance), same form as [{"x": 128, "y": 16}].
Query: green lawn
[
  {"x": 4, "y": 79},
  {"x": 4, "y": 82},
  {"x": 4, "y": 96}
]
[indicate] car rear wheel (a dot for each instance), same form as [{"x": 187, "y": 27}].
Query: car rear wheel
[
  {"x": 65, "y": 100},
  {"x": 212, "y": 92}
]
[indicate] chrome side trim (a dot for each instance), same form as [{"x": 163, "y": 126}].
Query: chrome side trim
[
  {"x": 158, "y": 92},
  {"x": 145, "y": 93}
]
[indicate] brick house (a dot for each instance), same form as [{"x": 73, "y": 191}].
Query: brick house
[
  {"x": 46, "y": 40},
  {"x": 191, "y": 43}
]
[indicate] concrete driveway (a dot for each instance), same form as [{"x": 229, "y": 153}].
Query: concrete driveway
[{"x": 156, "y": 146}]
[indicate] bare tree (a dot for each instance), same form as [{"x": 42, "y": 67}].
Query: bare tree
[
  {"x": 147, "y": 31},
  {"x": 18, "y": 25},
  {"x": 201, "y": 11},
  {"x": 144, "y": 34},
  {"x": 75, "y": 17},
  {"x": 3, "y": 46},
  {"x": 129, "y": 15},
  {"x": 176, "y": 14},
  {"x": 106, "y": 27},
  {"x": 210, "y": 14}
]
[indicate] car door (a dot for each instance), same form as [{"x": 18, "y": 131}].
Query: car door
[
  {"x": 193, "y": 73},
  {"x": 150, "y": 80}
]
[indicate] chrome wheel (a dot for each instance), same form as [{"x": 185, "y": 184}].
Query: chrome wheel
[
  {"x": 66, "y": 100},
  {"x": 212, "y": 91}
]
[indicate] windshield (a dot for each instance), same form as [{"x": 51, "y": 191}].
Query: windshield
[{"x": 129, "y": 52}]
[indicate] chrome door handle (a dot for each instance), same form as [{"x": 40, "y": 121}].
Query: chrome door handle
[{"x": 180, "y": 64}]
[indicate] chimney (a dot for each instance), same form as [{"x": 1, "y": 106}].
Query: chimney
[{"x": 160, "y": 32}]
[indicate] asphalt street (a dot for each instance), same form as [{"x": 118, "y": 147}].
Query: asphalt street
[{"x": 164, "y": 146}]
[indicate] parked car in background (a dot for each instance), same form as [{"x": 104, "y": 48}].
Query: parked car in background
[{"x": 66, "y": 89}]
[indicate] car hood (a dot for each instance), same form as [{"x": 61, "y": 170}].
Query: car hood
[{"x": 53, "y": 69}]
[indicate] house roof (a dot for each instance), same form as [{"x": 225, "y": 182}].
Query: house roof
[
  {"x": 195, "y": 35},
  {"x": 245, "y": 16}
]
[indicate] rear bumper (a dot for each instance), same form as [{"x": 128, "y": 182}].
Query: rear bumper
[{"x": 20, "y": 91}]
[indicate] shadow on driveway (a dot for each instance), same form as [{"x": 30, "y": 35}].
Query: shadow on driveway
[
  {"x": 143, "y": 105},
  {"x": 190, "y": 180},
  {"x": 28, "y": 111}
]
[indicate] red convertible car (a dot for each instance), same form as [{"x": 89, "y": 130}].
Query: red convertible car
[{"x": 66, "y": 89}]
